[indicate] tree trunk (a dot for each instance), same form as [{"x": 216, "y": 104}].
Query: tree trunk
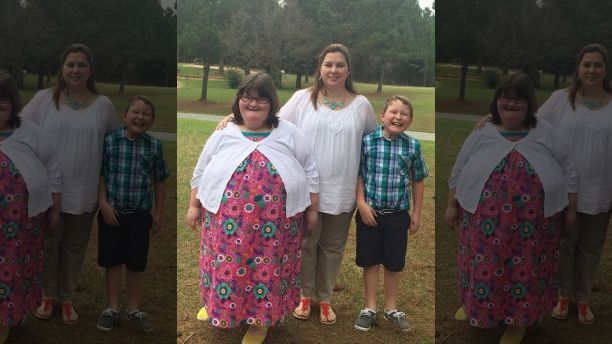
[
  {"x": 381, "y": 78},
  {"x": 124, "y": 72},
  {"x": 298, "y": 79},
  {"x": 556, "y": 86},
  {"x": 464, "y": 70},
  {"x": 221, "y": 66},
  {"x": 205, "y": 81},
  {"x": 41, "y": 79},
  {"x": 306, "y": 78},
  {"x": 247, "y": 70}
]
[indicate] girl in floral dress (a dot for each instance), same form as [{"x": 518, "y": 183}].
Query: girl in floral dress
[
  {"x": 29, "y": 196},
  {"x": 512, "y": 191},
  {"x": 254, "y": 187}
]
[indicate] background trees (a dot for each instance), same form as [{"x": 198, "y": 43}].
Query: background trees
[
  {"x": 131, "y": 41},
  {"x": 390, "y": 41}
]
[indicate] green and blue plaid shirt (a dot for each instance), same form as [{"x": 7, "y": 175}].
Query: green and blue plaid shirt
[
  {"x": 130, "y": 167},
  {"x": 387, "y": 168}
]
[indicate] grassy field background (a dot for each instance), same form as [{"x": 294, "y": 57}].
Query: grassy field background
[
  {"x": 220, "y": 96},
  {"x": 417, "y": 291}
]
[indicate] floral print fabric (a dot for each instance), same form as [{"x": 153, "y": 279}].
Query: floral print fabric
[
  {"x": 21, "y": 248},
  {"x": 508, "y": 256},
  {"x": 250, "y": 252}
]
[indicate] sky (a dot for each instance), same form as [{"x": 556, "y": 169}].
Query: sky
[{"x": 425, "y": 3}]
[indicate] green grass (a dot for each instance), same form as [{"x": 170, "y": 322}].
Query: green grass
[
  {"x": 158, "y": 292},
  {"x": 477, "y": 96},
  {"x": 220, "y": 98},
  {"x": 417, "y": 290},
  {"x": 450, "y": 135},
  {"x": 164, "y": 99}
]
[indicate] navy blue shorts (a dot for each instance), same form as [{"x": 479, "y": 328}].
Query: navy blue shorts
[
  {"x": 126, "y": 244},
  {"x": 384, "y": 244}
]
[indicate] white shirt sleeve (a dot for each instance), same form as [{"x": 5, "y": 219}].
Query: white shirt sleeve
[
  {"x": 370, "y": 119},
  {"x": 210, "y": 148},
  {"x": 305, "y": 157}
]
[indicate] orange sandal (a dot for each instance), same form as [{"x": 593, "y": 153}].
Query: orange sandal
[
  {"x": 45, "y": 309},
  {"x": 327, "y": 316},
  {"x": 302, "y": 311},
  {"x": 585, "y": 316},
  {"x": 69, "y": 315},
  {"x": 561, "y": 309}
]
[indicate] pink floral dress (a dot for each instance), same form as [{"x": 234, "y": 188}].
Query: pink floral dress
[
  {"x": 21, "y": 248},
  {"x": 508, "y": 258},
  {"x": 250, "y": 252}
]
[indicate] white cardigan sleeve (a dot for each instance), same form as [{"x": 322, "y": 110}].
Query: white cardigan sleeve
[
  {"x": 469, "y": 147},
  {"x": 210, "y": 148}
]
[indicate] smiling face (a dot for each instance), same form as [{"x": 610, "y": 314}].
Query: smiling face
[
  {"x": 76, "y": 70},
  {"x": 592, "y": 70},
  {"x": 254, "y": 111},
  {"x": 334, "y": 70},
  {"x": 396, "y": 118},
  {"x": 512, "y": 111},
  {"x": 138, "y": 119}
]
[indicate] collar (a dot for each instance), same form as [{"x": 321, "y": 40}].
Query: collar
[{"x": 378, "y": 134}]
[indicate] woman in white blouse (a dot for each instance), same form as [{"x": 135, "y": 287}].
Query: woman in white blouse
[
  {"x": 334, "y": 118},
  {"x": 75, "y": 118},
  {"x": 583, "y": 114}
]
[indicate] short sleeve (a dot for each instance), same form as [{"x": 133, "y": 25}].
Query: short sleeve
[
  {"x": 418, "y": 167},
  {"x": 160, "y": 168}
]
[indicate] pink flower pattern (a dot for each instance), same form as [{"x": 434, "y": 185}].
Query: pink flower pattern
[
  {"x": 508, "y": 251},
  {"x": 258, "y": 279}
]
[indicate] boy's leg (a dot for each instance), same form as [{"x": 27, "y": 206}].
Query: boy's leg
[
  {"x": 370, "y": 281},
  {"x": 392, "y": 283},
  {"x": 133, "y": 280},
  {"x": 113, "y": 286}
]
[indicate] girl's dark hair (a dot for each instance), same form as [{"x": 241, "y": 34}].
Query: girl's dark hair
[
  {"x": 61, "y": 86},
  {"x": 518, "y": 85},
  {"x": 143, "y": 99},
  {"x": 8, "y": 89},
  {"x": 261, "y": 85},
  {"x": 348, "y": 84},
  {"x": 577, "y": 86}
]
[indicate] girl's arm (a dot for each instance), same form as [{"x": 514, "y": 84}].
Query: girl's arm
[{"x": 194, "y": 213}]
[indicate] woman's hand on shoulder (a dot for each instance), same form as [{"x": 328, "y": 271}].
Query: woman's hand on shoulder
[
  {"x": 223, "y": 123},
  {"x": 483, "y": 121},
  {"x": 193, "y": 218}
]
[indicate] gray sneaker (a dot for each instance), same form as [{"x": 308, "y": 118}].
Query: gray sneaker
[
  {"x": 365, "y": 319},
  {"x": 140, "y": 320},
  {"x": 399, "y": 320},
  {"x": 109, "y": 319}
]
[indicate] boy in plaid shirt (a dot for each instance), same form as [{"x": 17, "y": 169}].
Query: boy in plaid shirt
[
  {"x": 391, "y": 160},
  {"x": 133, "y": 164}
]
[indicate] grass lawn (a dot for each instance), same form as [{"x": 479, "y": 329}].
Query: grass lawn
[
  {"x": 158, "y": 293},
  {"x": 220, "y": 97},
  {"x": 478, "y": 97},
  {"x": 450, "y": 137},
  {"x": 417, "y": 291},
  {"x": 164, "y": 99}
]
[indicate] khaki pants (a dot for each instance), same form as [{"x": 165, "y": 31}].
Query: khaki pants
[
  {"x": 322, "y": 251},
  {"x": 580, "y": 254},
  {"x": 64, "y": 254}
]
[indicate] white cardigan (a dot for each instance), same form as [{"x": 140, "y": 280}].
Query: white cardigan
[
  {"x": 543, "y": 148},
  {"x": 32, "y": 154},
  {"x": 335, "y": 138},
  {"x": 285, "y": 147}
]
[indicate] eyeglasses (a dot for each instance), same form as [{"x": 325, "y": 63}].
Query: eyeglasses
[
  {"x": 5, "y": 101},
  {"x": 258, "y": 100},
  {"x": 516, "y": 100}
]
